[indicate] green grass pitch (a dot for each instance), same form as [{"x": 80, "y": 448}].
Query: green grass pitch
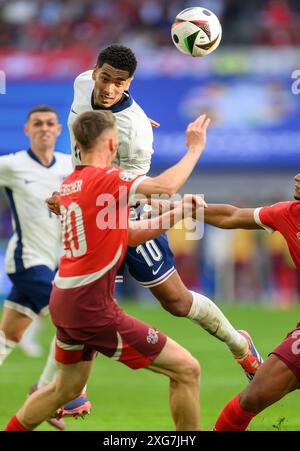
[{"x": 124, "y": 399}]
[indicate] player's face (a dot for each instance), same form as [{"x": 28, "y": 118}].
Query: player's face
[
  {"x": 42, "y": 129},
  {"x": 297, "y": 187},
  {"x": 110, "y": 84}
]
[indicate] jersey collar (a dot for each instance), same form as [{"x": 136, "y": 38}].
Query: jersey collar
[
  {"x": 120, "y": 106},
  {"x": 35, "y": 158}
]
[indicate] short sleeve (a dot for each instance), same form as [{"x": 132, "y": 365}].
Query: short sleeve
[
  {"x": 6, "y": 170},
  {"x": 135, "y": 143},
  {"x": 269, "y": 217},
  {"x": 131, "y": 181}
]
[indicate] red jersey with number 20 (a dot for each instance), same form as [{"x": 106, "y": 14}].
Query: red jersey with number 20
[
  {"x": 94, "y": 207},
  {"x": 285, "y": 218}
]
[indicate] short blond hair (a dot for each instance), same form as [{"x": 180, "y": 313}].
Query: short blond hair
[{"x": 90, "y": 125}]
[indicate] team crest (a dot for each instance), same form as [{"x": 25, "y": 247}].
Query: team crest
[
  {"x": 126, "y": 176},
  {"x": 152, "y": 336}
]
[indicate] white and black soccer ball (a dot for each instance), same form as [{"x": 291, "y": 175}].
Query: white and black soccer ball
[{"x": 196, "y": 31}]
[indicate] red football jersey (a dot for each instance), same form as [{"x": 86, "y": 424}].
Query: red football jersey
[
  {"x": 94, "y": 208},
  {"x": 285, "y": 218}
]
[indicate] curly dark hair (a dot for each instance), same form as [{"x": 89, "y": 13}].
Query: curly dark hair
[{"x": 119, "y": 57}]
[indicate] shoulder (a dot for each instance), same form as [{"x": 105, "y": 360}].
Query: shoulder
[
  {"x": 138, "y": 114},
  {"x": 63, "y": 158},
  {"x": 276, "y": 215},
  {"x": 14, "y": 160},
  {"x": 84, "y": 83},
  {"x": 83, "y": 88},
  {"x": 294, "y": 208},
  {"x": 63, "y": 165},
  {"x": 84, "y": 77},
  {"x": 18, "y": 157},
  {"x": 281, "y": 207},
  {"x": 133, "y": 120},
  {"x": 132, "y": 113}
]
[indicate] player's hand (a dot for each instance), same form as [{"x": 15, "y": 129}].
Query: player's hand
[
  {"x": 154, "y": 123},
  {"x": 53, "y": 203},
  {"x": 155, "y": 207},
  {"x": 196, "y": 134},
  {"x": 193, "y": 205}
]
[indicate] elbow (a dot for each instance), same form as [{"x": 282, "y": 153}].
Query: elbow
[
  {"x": 226, "y": 225},
  {"x": 170, "y": 189},
  {"x": 132, "y": 242},
  {"x": 134, "y": 237},
  {"x": 131, "y": 238}
]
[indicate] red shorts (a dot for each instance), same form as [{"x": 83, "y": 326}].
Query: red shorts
[
  {"x": 130, "y": 341},
  {"x": 289, "y": 351}
]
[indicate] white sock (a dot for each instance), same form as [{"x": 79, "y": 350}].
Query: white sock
[
  {"x": 31, "y": 333},
  {"x": 6, "y": 347},
  {"x": 29, "y": 341},
  {"x": 207, "y": 315},
  {"x": 50, "y": 368}
]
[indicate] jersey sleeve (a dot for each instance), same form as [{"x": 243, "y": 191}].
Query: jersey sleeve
[
  {"x": 74, "y": 151},
  {"x": 135, "y": 144},
  {"x": 131, "y": 182},
  {"x": 81, "y": 103},
  {"x": 6, "y": 170},
  {"x": 269, "y": 217},
  {"x": 71, "y": 119}
]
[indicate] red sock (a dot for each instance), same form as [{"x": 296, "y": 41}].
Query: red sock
[
  {"x": 233, "y": 417},
  {"x": 15, "y": 425}
]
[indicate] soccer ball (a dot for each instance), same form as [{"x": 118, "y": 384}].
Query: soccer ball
[{"x": 196, "y": 31}]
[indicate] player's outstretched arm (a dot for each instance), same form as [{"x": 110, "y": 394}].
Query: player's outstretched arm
[
  {"x": 149, "y": 229},
  {"x": 229, "y": 217},
  {"x": 171, "y": 180}
]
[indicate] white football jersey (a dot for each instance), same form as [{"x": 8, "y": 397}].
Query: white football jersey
[
  {"x": 36, "y": 238},
  {"x": 135, "y": 131}
]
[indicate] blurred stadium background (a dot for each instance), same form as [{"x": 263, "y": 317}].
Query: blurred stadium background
[
  {"x": 253, "y": 152},
  {"x": 253, "y": 149}
]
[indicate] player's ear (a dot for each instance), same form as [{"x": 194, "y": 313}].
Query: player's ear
[
  {"x": 95, "y": 68},
  {"x": 26, "y": 131},
  {"x": 128, "y": 83},
  {"x": 112, "y": 144},
  {"x": 59, "y": 129}
]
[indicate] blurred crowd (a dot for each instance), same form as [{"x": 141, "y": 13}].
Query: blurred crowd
[{"x": 42, "y": 25}]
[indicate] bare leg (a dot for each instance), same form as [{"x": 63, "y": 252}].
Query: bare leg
[
  {"x": 184, "y": 372},
  {"x": 272, "y": 382},
  {"x": 14, "y": 324},
  {"x": 179, "y": 301},
  {"x": 12, "y": 327},
  {"x": 43, "y": 403}
]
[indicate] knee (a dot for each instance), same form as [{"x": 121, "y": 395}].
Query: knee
[
  {"x": 252, "y": 400},
  {"x": 188, "y": 370},
  {"x": 178, "y": 304},
  {"x": 66, "y": 392},
  {"x": 13, "y": 335}
]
